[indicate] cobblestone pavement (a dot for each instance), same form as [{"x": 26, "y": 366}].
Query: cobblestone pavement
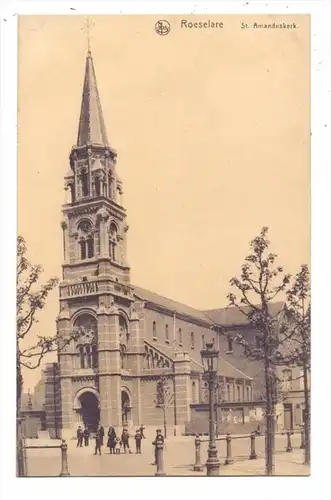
[{"x": 179, "y": 457}]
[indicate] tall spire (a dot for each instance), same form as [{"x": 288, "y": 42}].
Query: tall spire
[{"x": 91, "y": 128}]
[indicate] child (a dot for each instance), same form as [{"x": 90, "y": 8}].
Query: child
[
  {"x": 118, "y": 446},
  {"x": 137, "y": 438}
]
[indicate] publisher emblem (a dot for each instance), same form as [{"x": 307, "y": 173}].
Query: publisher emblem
[{"x": 162, "y": 28}]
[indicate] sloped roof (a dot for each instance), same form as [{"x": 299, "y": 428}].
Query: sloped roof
[
  {"x": 170, "y": 304},
  {"x": 231, "y": 316}
]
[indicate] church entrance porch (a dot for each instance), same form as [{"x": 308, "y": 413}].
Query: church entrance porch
[
  {"x": 126, "y": 408},
  {"x": 88, "y": 411}
]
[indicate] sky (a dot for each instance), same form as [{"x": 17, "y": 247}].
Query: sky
[{"x": 212, "y": 130}]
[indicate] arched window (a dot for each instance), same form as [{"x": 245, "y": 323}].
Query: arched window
[
  {"x": 238, "y": 392},
  {"x": 88, "y": 357},
  {"x": 247, "y": 394},
  {"x": 86, "y": 327},
  {"x": 84, "y": 184},
  {"x": 90, "y": 252},
  {"x": 113, "y": 242},
  {"x": 72, "y": 192},
  {"x": 180, "y": 336},
  {"x": 124, "y": 332},
  {"x": 230, "y": 345},
  {"x": 192, "y": 340},
  {"x": 86, "y": 246},
  {"x": 82, "y": 244},
  {"x": 97, "y": 186},
  {"x": 167, "y": 333},
  {"x": 154, "y": 331},
  {"x": 203, "y": 341},
  {"x": 82, "y": 356},
  {"x": 194, "y": 392},
  {"x": 228, "y": 392}
]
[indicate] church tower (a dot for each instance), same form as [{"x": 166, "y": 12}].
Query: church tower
[{"x": 96, "y": 299}]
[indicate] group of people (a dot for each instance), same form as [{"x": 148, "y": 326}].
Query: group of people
[{"x": 114, "y": 443}]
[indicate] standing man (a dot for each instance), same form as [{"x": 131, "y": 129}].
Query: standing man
[
  {"x": 158, "y": 439},
  {"x": 137, "y": 438},
  {"x": 86, "y": 436},
  {"x": 79, "y": 437},
  {"x": 102, "y": 433},
  {"x": 98, "y": 443},
  {"x": 141, "y": 429},
  {"x": 125, "y": 440}
]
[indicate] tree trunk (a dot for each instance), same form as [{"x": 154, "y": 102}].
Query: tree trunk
[
  {"x": 307, "y": 414},
  {"x": 269, "y": 414},
  {"x": 20, "y": 458}
]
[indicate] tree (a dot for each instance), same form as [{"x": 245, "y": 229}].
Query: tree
[
  {"x": 31, "y": 297},
  {"x": 297, "y": 341},
  {"x": 262, "y": 281},
  {"x": 164, "y": 399}
]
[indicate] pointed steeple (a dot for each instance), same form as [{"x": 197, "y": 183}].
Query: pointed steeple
[{"x": 91, "y": 128}]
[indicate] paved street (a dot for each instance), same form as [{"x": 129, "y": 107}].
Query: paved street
[{"x": 179, "y": 457}]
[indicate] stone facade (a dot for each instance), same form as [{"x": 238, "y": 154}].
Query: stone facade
[{"x": 118, "y": 341}]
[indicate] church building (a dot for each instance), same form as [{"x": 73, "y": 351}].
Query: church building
[{"x": 129, "y": 339}]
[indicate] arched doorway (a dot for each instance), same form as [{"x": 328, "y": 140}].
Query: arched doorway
[
  {"x": 126, "y": 408},
  {"x": 90, "y": 411}
]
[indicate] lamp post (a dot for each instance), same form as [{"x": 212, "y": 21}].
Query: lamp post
[{"x": 209, "y": 357}]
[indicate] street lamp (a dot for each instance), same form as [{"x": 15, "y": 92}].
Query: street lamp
[{"x": 209, "y": 357}]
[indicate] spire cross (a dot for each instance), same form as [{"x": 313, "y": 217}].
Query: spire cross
[{"x": 87, "y": 30}]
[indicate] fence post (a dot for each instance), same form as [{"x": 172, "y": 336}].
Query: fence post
[
  {"x": 303, "y": 443},
  {"x": 289, "y": 445},
  {"x": 253, "y": 455},
  {"x": 64, "y": 459},
  {"x": 229, "y": 459},
  {"x": 159, "y": 459},
  {"x": 197, "y": 466}
]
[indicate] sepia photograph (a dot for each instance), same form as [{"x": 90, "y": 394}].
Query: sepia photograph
[{"x": 163, "y": 245}]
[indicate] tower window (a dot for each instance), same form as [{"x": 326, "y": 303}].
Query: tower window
[
  {"x": 89, "y": 243},
  {"x": 167, "y": 333},
  {"x": 203, "y": 341},
  {"x": 180, "y": 337},
  {"x": 82, "y": 245},
  {"x": 154, "y": 331},
  {"x": 82, "y": 357},
  {"x": 192, "y": 340},
  {"x": 97, "y": 186},
  {"x": 113, "y": 242},
  {"x": 84, "y": 180}
]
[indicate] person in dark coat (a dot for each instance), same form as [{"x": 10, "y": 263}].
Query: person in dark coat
[
  {"x": 79, "y": 436},
  {"x": 111, "y": 443},
  {"x": 86, "y": 434},
  {"x": 158, "y": 438},
  {"x": 137, "y": 438},
  {"x": 125, "y": 440},
  {"x": 102, "y": 434},
  {"x": 98, "y": 442}
]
